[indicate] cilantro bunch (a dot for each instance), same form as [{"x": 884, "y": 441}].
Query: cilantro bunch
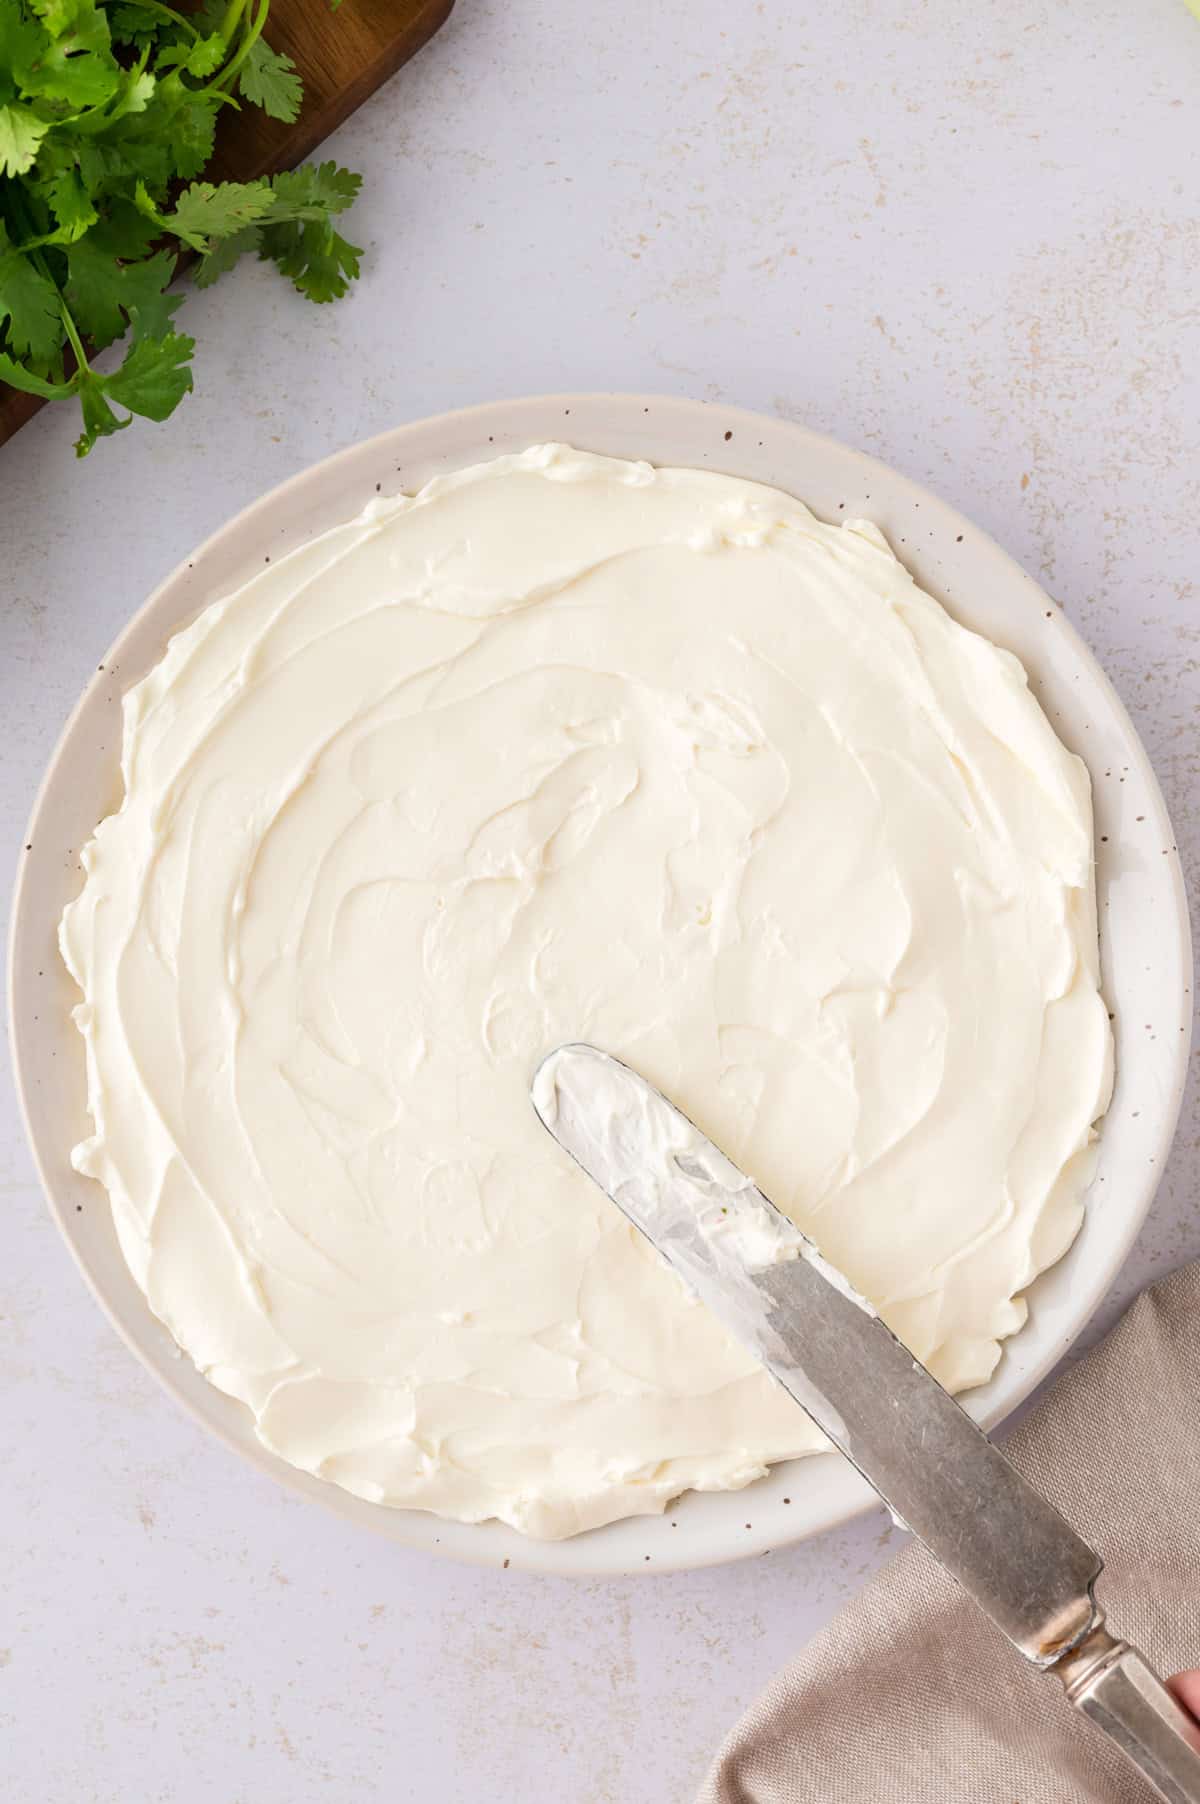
[{"x": 107, "y": 114}]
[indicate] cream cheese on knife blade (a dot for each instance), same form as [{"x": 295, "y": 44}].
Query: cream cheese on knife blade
[{"x": 569, "y": 748}]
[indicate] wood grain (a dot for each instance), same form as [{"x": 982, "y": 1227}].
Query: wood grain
[{"x": 342, "y": 57}]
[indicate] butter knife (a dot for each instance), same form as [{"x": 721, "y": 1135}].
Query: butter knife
[{"x": 1005, "y": 1544}]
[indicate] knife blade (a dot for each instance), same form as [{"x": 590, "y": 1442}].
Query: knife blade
[
  {"x": 766, "y": 1281},
  {"x": 769, "y": 1285}
]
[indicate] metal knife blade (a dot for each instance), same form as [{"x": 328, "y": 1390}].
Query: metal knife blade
[{"x": 1008, "y": 1548}]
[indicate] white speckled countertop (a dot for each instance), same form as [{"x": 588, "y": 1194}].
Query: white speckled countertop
[{"x": 965, "y": 238}]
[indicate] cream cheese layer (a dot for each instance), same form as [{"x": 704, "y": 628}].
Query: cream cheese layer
[{"x": 566, "y": 748}]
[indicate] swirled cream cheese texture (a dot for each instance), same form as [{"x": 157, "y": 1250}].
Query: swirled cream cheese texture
[{"x": 568, "y": 748}]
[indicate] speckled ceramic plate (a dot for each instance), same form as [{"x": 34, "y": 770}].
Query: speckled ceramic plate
[{"x": 1146, "y": 950}]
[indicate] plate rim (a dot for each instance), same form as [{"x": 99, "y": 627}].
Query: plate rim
[{"x": 492, "y": 1544}]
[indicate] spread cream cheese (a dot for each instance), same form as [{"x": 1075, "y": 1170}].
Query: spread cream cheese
[{"x": 565, "y": 748}]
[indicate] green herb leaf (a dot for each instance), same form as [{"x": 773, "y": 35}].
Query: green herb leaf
[
  {"x": 93, "y": 162},
  {"x": 193, "y": 128},
  {"x": 62, "y": 16},
  {"x": 21, "y": 43},
  {"x": 313, "y": 191},
  {"x": 204, "y": 213},
  {"x": 151, "y": 381},
  {"x": 146, "y": 299},
  {"x": 134, "y": 24},
  {"x": 95, "y": 284},
  {"x": 224, "y": 255},
  {"x": 77, "y": 65},
  {"x": 154, "y": 376},
  {"x": 123, "y": 232},
  {"x": 298, "y": 233},
  {"x": 206, "y": 55},
  {"x": 18, "y": 376},
  {"x": 21, "y": 131},
  {"x": 104, "y": 288},
  {"x": 30, "y": 309},
  {"x": 71, "y": 205},
  {"x": 203, "y": 57},
  {"x": 99, "y": 420},
  {"x": 210, "y": 15},
  {"x": 133, "y": 94},
  {"x": 268, "y": 79},
  {"x": 318, "y": 261},
  {"x": 171, "y": 135}
]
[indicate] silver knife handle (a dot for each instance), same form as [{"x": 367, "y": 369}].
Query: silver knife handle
[{"x": 1111, "y": 1683}]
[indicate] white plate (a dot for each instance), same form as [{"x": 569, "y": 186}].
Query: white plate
[{"x": 1146, "y": 949}]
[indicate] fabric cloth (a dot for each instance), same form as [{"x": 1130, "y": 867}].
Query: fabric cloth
[{"x": 910, "y": 1696}]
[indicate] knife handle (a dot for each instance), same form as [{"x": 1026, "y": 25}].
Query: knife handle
[{"x": 1113, "y": 1685}]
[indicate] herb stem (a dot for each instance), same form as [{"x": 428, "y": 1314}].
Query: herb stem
[
  {"x": 229, "y": 23},
  {"x": 253, "y": 33},
  {"x": 73, "y": 338}
]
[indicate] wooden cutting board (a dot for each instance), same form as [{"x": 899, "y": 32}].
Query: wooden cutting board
[{"x": 342, "y": 57}]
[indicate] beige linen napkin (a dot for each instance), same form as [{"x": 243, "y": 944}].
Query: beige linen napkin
[{"x": 909, "y": 1696}]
